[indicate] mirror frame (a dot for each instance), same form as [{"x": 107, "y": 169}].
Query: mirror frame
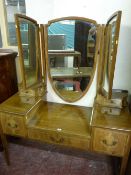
[
  {"x": 23, "y": 85},
  {"x": 115, "y": 45},
  {"x": 104, "y": 56},
  {"x": 95, "y": 57}
]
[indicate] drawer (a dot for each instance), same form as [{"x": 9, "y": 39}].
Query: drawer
[
  {"x": 109, "y": 141},
  {"x": 59, "y": 138},
  {"x": 13, "y": 124}
]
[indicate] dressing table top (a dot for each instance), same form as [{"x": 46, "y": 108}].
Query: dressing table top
[
  {"x": 62, "y": 118},
  {"x": 19, "y": 105},
  {"x": 119, "y": 122},
  {"x": 5, "y": 52},
  {"x": 50, "y": 116}
]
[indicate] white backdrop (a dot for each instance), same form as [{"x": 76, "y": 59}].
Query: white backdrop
[{"x": 44, "y": 10}]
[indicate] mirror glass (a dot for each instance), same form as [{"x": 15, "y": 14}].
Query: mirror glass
[
  {"x": 71, "y": 57},
  {"x": 112, "y": 35},
  {"x": 29, "y": 44}
]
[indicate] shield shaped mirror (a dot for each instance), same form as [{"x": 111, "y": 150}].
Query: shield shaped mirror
[{"x": 71, "y": 56}]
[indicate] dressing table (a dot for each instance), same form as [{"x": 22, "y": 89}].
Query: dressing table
[{"x": 28, "y": 114}]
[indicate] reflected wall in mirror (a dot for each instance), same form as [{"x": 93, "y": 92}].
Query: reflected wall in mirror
[
  {"x": 71, "y": 57},
  {"x": 29, "y": 53},
  {"x": 111, "y": 44}
]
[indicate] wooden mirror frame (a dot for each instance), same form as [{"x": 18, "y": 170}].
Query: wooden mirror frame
[
  {"x": 104, "y": 56},
  {"x": 23, "y": 85},
  {"x": 95, "y": 57}
]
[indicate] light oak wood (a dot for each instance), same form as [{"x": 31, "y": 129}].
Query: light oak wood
[
  {"x": 59, "y": 138},
  {"x": 109, "y": 141},
  {"x": 121, "y": 122},
  {"x": 68, "y": 125},
  {"x": 13, "y": 125},
  {"x": 46, "y": 121},
  {"x": 69, "y": 118},
  {"x": 112, "y": 134},
  {"x": 100, "y": 60},
  {"x": 19, "y": 105}
]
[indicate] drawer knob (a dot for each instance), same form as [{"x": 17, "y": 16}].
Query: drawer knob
[
  {"x": 59, "y": 140},
  {"x": 107, "y": 143},
  {"x": 12, "y": 125}
]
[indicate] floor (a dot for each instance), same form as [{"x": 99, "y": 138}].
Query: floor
[{"x": 34, "y": 158}]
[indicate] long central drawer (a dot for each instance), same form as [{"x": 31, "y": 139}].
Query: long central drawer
[
  {"x": 60, "y": 138},
  {"x": 61, "y": 124}
]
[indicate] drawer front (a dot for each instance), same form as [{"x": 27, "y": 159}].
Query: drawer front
[
  {"x": 13, "y": 125},
  {"x": 109, "y": 141},
  {"x": 60, "y": 138}
]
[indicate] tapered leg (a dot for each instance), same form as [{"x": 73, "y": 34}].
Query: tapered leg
[
  {"x": 125, "y": 157},
  {"x": 5, "y": 146}
]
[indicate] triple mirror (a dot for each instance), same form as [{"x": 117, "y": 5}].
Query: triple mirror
[{"x": 70, "y": 47}]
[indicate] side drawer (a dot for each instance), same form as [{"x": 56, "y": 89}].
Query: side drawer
[
  {"x": 13, "y": 124},
  {"x": 60, "y": 138},
  {"x": 109, "y": 141}
]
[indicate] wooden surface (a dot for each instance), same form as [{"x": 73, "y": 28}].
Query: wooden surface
[
  {"x": 66, "y": 118},
  {"x": 109, "y": 142},
  {"x": 19, "y": 105},
  {"x": 112, "y": 134},
  {"x": 8, "y": 78},
  {"x": 121, "y": 122},
  {"x": 13, "y": 124},
  {"x": 50, "y": 122},
  {"x": 68, "y": 125},
  {"x": 61, "y": 124}
]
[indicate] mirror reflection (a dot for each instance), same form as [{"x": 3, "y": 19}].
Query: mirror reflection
[
  {"x": 71, "y": 57},
  {"x": 112, "y": 43},
  {"x": 29, "y": 41}
]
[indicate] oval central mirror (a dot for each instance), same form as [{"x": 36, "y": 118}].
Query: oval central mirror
[{"x": 71, "y": 56}]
